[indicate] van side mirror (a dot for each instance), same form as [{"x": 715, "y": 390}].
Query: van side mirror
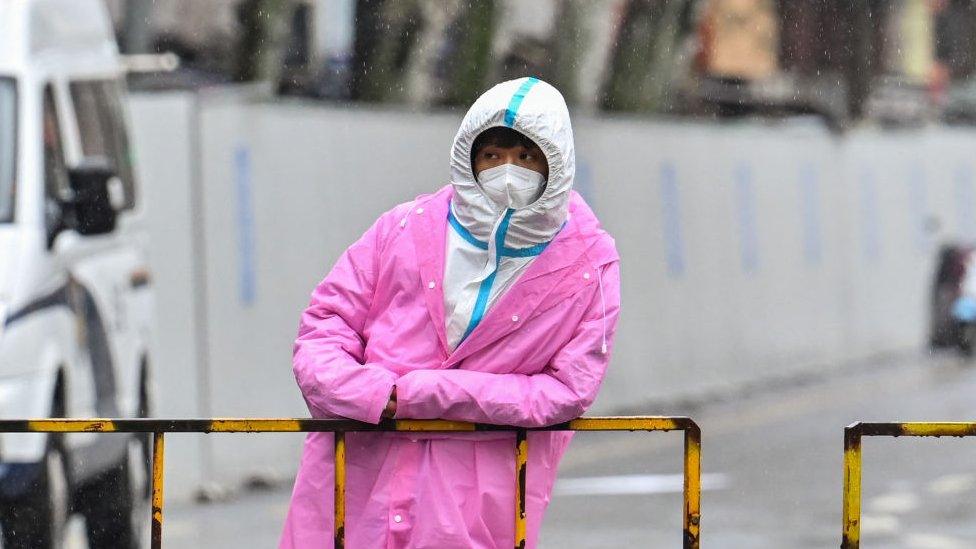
[{"x": 89, "y": 210}]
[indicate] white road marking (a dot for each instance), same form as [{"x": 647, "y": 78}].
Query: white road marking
[
  {"x": 894, "y": 502},
  {"x": 879, "y": 525},
  {"x": 933, "y": 541},
  {"x": 633, "y": 484},
  {"x": 948, "y": 485}
]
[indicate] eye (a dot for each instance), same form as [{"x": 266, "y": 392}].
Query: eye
[{"x": 526, "y": 156}]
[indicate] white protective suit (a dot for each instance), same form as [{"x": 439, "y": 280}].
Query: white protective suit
[{"x": 489, "y": 245}]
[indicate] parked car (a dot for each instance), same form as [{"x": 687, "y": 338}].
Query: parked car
[{"x": 75, "y": 299}]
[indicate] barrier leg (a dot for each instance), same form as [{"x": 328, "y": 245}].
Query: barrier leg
[
  {"x": 692, "y": 486},
  {"x": 340, "y": 490},
  {"x": 156, "y": 528},
  {"x": 521, "y": 462},
  {"x": 852, "y": 488}
]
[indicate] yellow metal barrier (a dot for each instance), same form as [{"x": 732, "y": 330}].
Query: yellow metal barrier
[
  {"x": 852, "y": 462},
  {"x": 158, "y": 427}
]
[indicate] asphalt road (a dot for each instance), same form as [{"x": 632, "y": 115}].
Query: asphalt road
[{"x": 773, "y": 471}]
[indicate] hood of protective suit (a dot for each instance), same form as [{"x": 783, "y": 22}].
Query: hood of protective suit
[{"x": 537, "y": 110}]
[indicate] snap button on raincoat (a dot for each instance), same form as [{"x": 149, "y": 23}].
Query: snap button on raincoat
[{"x": 378, "y": 321}]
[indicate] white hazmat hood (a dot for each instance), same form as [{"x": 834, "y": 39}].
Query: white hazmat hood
[{"x": 537, "y": 110}]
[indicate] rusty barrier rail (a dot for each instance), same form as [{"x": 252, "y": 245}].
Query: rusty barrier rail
[
  {"x": 851, "y": 537},
  {"x": 159, "y": 427}
]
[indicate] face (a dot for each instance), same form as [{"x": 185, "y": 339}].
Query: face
[{"x": 532, "y": 158}]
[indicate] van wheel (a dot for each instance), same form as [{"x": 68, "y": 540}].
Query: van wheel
[
  {"x": 112, "y": 506},
  {"x": 37, "y": 520}
]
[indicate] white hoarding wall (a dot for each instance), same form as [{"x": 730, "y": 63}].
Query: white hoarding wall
[
  {"x": 749, "y": 252},
  {"x": 161, "y": 130}
]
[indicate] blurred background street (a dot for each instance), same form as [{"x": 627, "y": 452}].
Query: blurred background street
[{"x": 791, "y": 185}]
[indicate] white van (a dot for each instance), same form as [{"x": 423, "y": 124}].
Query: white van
[{"x": 75, "y": 301}]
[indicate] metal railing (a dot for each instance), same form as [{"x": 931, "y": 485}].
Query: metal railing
[
  {"x": 159, "y": 427},
  {"x": 851, "y": 537}
]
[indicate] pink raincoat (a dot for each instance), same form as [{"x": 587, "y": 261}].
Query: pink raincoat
[{"x": 537, "y": 358}]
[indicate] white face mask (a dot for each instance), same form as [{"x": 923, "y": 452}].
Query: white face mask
[{"x": 512, "y": 186}]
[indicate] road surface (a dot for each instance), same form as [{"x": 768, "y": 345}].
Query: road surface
[{"x": 773, "y": 470}]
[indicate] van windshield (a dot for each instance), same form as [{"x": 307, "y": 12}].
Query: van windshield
[{"x": 8, "y": 137}]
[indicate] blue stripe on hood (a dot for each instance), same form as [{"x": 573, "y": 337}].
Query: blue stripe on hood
[
  {"x": 505, "y": 250},
  {"x": 513, "y": 105}
]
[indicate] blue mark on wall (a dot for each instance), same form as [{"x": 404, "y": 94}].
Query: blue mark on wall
[
  {"x": 245, "y": 224},
  {"x": 870, "y": 222},
  {"x": 917, "y": 206},
  {"x": 810, "y": 213},
  {"x": 965, "y": 201},
  {"x": 745, "y": 200},
  {"x": 671, "y": 219}
]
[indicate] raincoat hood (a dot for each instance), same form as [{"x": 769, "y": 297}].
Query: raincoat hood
[{"x": 537, "y": 110}]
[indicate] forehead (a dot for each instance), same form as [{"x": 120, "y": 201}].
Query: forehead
[{"x": 515, "y": 146}]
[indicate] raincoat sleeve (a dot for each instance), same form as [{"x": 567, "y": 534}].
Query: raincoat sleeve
[
  {"x": 561, "y": 392},
  {"x": 328, "y": 356}
]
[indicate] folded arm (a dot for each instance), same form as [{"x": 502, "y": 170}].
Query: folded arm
[
  {"x": 562, "y": 391},
  {"x": 328, "y": 357}
]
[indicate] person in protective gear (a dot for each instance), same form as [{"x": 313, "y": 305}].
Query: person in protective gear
[{"x": 493, "y": 300}]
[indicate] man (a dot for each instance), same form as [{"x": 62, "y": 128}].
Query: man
[{"x": 494, "y": 300}]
